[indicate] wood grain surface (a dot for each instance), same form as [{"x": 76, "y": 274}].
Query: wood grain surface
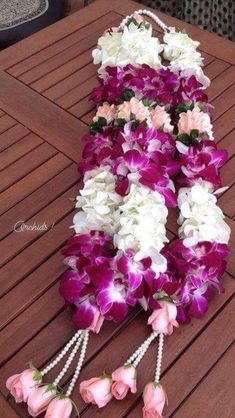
[{"x": 45, "y": 82}]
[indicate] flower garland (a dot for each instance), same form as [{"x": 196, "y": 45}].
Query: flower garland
[{"x": 152, "y": 133}]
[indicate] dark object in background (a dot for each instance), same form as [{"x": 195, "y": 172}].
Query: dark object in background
[
  {"x": 214, "y": 15},
  {"x": 21, "y": 18}
]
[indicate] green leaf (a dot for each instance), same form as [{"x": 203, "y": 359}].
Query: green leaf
[
  {"x": 102, "y": 121},
  {"x": 184, "y": 138},
  {"x": 143, "y": 24},
  {"x": 105, "y": 375},
  {"x": 183, "y": 107},
  {"x": 147, "y": 102},
  {"x": 121, "y": 122},
  {"x": 194, "y": 134},
  {"x": 132, "y": 20},
  {"x": 98, "y": 126},
  {"x": 189, "y": 140},
  {"x": 94, "y": 128},
  {"x": 178, "y": 30},
  {"x": 37, "y": 376},
  {"x": 127, "y": 366},
  {"x": 51, "y": 388},
  {"x": 162, "y": 296},
  {"x": 127, "y": 95}
]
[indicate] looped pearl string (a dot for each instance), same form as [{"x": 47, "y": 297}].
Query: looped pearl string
[
  {"x": 62, "y": 353},
  {"x": 69, "y": 361},
  {"x": 149, "y": 14},
  {"x": 159, "y": 358},
  {"x": 79, "y": 364},
  {"x": 137, "y": 356}
]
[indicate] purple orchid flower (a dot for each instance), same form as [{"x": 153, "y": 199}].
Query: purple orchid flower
[
  {"x": 101, "y": 148},
  {"x": 131, "y": 270},
  {"x": 198, "y": 270},
  {"x": 86, "y": 249},
  {"x": 112, "y": 301},
  {"x": 71, "y": 285},
  {"x": 84, "y": 314},
  {"x": 162, "y": 85},
  {"x": 202, "y": 161}
]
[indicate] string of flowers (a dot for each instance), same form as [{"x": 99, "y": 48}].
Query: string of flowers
[
  {"x": 152, "y": 132},
  {"x": 170, "y": 105}
]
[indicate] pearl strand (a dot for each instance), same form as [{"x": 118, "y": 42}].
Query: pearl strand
[
  {"x": 62, "y": 353},
  {"x": 69, "y": 361},
  {"x": 141, "y": 349},
  {"x": 149, "y": 14},
  {"x": 159, "y": 358},
  {"x": 80, "y": 363}
]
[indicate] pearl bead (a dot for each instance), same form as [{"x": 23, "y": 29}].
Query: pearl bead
[
  {"x": 79, "y": 364},
  {"x": 159, "y": 358},
  {"x": 69, "y": 361},
  {"x": 62, "y": 353},
  {"x": 149, "y": 14},
  {"x": 137, "y": 355}
]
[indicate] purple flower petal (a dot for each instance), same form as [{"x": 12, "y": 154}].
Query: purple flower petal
[
  {"x": 118, "y": 311},
  {"x": 100, "y": 276},
  {"x": 198, "y": 306},
  {"x": 122, "y": 187},
  {"x": 71, "y": 286},
  {"x": 134, "y": 160},
  {"x": 170, "y": 197},
  {"x": 84, "y": 315}
]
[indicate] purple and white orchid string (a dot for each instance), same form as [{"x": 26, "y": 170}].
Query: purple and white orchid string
[{"x": 152, "y": 130}]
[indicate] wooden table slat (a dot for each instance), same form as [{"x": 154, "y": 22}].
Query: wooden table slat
[
  {"x": 61, "y": 45},
  {"x": 12, "y": 135},
  {"x": 6, "y": 122},
  {"x": 31, "y": 181},
  {"x": 215, "y": 392},
  {"x": 18, "y": 150}
]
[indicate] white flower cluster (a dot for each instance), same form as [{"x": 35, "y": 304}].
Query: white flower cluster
[
  {"x": 142, "y": 225},
  {"x": 98, "y": 201},
  {"x": 181, "y": 51},
  {"x": 137, "y": 221},
  {"x": 200, "y": 218},
  {"x": 133, "y": 45}
]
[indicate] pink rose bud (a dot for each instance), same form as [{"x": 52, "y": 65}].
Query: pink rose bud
[
  {"x": 21, "y": 385},
  {"x": 96, "y": 390},
  {"x": 138, "y": 17},
  {"x": 164, "y": 319},
  {"x": 59, "y": 408},
  {"x": 124, "y": 380},
  {"x": 39, "y": 399},
  {"x": 154, "y": 401},
  {"x": 97, "y": 321}
]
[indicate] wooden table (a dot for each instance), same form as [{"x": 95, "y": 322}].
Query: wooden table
[{"x": 44, "y": 86}]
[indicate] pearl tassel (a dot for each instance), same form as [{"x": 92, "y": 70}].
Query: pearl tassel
[
  {"x": 69, "y": 361},
  {"x": 137, "y": 356},
  {"x": 159, "y": 358},
  {"x": 149, "y": 14},
  {"x": 62, "y": 353},
  {"x": 79, "y": 364}
]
